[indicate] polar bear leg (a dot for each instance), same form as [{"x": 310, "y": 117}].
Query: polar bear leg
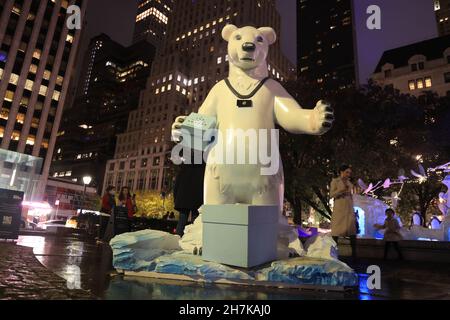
[{"x": 212, "y": 192}]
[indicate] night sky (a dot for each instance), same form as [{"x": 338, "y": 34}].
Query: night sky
[{"x": 116, "y": 18}]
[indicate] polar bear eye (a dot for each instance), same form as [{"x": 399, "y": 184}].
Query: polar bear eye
[
  {"x": 238, "y": 37},
  {"x": 260, "y": 39}
]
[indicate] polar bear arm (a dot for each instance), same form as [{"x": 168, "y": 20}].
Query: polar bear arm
[
  {"x": 209, "y": 106},
  {"x": 289, "y": 114}
]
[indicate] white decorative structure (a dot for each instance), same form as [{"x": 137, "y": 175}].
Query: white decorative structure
[
  {"x": 371, "y": 211},
  {"x": 240, "y": 235},
  {"x": 444, "y": 198},
  {"x": 248, "y": 106}
]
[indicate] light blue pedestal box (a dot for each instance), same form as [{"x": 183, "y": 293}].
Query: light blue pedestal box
[{"x": 240, "y": 235}]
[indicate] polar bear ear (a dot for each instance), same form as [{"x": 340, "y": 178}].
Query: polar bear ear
[
  {"x": 228, "y": 31},
  {"x": 269, "y": 34}
]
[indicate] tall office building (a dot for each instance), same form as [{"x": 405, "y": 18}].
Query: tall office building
[
  {"x": 37, "y": 52},
  {"x": 152, "y": 20},
  {"x": 325, "y": 43},
  {"x": 108, "y": 90},
  {"x": 442, "y": 8},
  {"x": 193, "y": 59},
  {"x": 341, "y": 41}
]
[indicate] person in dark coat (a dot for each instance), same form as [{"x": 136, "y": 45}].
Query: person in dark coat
[
  {"x": 108, "y": 205},
  {"x": 188, "y": 191}
]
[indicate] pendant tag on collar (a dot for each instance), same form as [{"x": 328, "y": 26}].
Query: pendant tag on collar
[{"x": 245, "y": 104}]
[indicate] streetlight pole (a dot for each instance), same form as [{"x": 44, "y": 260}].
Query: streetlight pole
[{"x": 86, "y": 180}]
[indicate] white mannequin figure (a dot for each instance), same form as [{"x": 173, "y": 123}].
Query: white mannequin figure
[{"x": 248, "y": 48}]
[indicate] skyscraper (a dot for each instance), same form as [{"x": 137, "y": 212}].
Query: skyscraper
[
  {"x": 108, "y": 90},
  {"x": 193, "y": 59},
  {"x": 325, "y": 43},
  {"x": 151, "y": 21},
  {"x": 37, "y": 53},
  {"x": 342, "y": 41},
  {"x": 442, "y": 8}
]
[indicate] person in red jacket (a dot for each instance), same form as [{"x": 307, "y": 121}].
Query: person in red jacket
[{"x": 126, "y": 200}]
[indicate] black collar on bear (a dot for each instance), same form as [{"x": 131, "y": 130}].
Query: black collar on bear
[{"x": 249, "y": 96}]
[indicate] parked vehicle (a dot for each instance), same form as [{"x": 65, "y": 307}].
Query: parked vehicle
[
  {"x": 72, "y": 223},
  {"x": 51, "y": 225}
]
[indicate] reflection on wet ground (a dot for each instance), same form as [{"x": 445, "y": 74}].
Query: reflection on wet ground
[{"x": 88, "y": 264}]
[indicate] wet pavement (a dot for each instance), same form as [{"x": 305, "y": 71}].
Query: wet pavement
[
  {"x": 88, "y": 265},
  {"x": 22, "y": 277}
]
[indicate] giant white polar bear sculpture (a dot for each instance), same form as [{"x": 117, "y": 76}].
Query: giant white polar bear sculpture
[{"x": 234, "y": 107}]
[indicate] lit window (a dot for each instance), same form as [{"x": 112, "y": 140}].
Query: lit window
[
  {"x": 14, "y": 79},
  {"x": 56, "y": 95},
  {"x": 37, "y": 54},
  {"x": 59, "y": 80},
  {"x": 47, "y": 74},
  {"x": 29, "y": 85},
  {"x": 412, "y": 85},
  {"x": 428, "y": 82},
  {"x": 9, "y": 96},
  {"x": 33, "y": 68},
  {"x": 219, "y": 60},
  {"x": 419, "y": 83},
  {"x": 43, "y": 90}
]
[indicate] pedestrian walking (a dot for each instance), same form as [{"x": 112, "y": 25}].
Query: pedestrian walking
[{"x": 392, "y": 233}]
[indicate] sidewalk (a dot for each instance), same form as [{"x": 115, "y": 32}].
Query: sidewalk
[
  {"x": 25, "y": 274},
  {"x": 22, "y": 277}
]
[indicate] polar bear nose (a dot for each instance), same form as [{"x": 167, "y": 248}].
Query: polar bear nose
[{"x": 249, "y": 47}]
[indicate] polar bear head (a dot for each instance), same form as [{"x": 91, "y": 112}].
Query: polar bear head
[{"x": 248, "y": 47}]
